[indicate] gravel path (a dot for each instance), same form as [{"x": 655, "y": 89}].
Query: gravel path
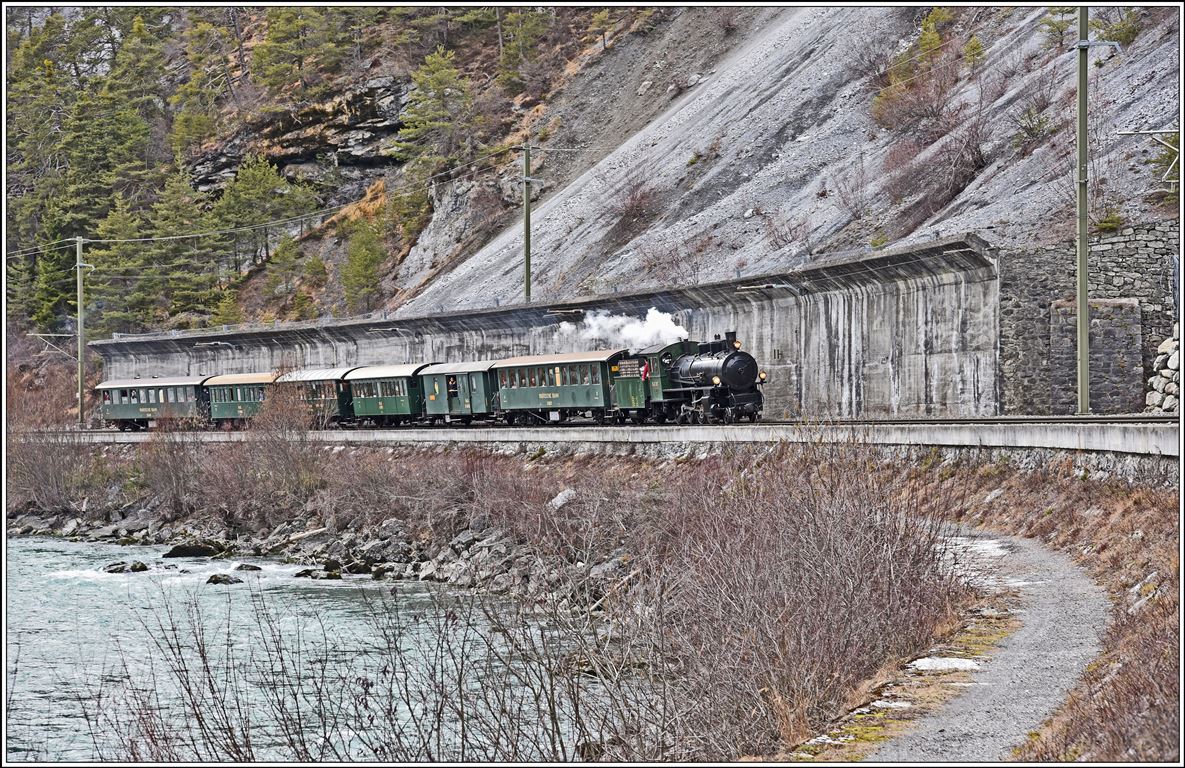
[{"x": 1063, "y": 615}]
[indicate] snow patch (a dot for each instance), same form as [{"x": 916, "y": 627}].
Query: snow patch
[{"x": 942, "y": 664}]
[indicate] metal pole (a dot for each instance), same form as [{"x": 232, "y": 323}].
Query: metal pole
[
  {"x": 527, "y": 219},
  {"x": 1083, "y": 233},
  {"x": 80, "y": 331}
]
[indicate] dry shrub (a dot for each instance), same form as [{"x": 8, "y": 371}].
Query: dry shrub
[
  {"x": 636, "y": 205},
  {"x": 765, "y": 587},
  {"x": 51, "y": 472},
  {"x": 171, "y": 468}
]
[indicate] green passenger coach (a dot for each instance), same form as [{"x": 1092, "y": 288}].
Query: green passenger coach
[
  {"x": 386, "y": 394},
  {"x": 236, "y": 398},
  {"x": 542, "y": 388},
  {"x": 139, "y": 403},
  {"x": 459, "y": 391},
  {"x": 326, "y": 393}
]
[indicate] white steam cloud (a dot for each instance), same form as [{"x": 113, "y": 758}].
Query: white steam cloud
[{"x": 625, "y": 331}]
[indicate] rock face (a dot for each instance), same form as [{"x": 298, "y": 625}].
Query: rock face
[
  {"x": 1164, "y": 388},
  {"x": 348, "y": 131}
]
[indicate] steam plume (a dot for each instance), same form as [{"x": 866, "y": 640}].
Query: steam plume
[{"x": 625, "y": 331}]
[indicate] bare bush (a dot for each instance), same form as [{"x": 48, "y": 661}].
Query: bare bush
[
  {"x": 852, "y": 190},
  {"x": 171, "y": 461},
  {"x": 782, "y": 232},
  {"x": 54, "y": 472},
  {"x": 636, "y": 206},
  {"x": 758, "y": 592}
]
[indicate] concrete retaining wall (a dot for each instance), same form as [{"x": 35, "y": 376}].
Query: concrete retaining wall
[{"x": 910, "y": 332}]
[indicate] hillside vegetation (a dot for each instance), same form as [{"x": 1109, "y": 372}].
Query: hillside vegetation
[{"x": 673, "y": 145}]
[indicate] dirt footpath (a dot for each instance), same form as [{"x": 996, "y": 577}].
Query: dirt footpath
[{"x": 1063, "y": 615}]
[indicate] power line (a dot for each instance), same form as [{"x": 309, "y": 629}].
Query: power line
[{"x": 40, "y": 249}]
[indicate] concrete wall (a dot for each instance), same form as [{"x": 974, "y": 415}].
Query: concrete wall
[{"x": 896, "y": 332}]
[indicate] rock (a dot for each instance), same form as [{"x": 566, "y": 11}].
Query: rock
[
  {"x": 645, "y": 86},
  {"x": 463, "y": 541},
  {"x": 121, "y": 567},
  {"x": 357, "y": 566},
  {"x": 331, "y": 565},
  {"x": 1168, "y": 346},
  {"x": 319, "y": 575},
  {"x": 69, "y": 528},
  {"x": 1159, "y": 362},
  {"x": 195, "y": 549},
  {"x": 562, "y": 498},
  {"x": 1154, "y": 399},
  {"x": 1174, "y": 362},
  {"x": 1170, "y": 403},
  {"x": 247, "y": 567},
  {"x": 223, "y": 578},
  {"x": 749, "y": 213}
]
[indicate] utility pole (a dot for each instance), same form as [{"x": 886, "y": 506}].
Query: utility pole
[
  {"x": 81, "y": 334},
  {"x": 527, "y": 218},
  {"x": 1083, "y": 222}
]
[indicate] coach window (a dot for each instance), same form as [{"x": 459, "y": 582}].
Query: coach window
[
  {"x": 596, "y": 373},
  {"x": 171, "y": 395}
]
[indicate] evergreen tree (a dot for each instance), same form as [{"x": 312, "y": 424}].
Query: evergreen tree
[
  {"x": 525, "y": 29},
  {"x": 439, "y": 122},
  {"x": 301, "y": 45},
  {"x": 121, "y": 291},
  {"x": 282, "y": 268},
  {"x": 360, "y": 274},
  {"x": 973, "y": 53},
  {"x": 1056, "y": 23},
  {"x": 258, "y": 194},
  {"x": 188, "y": 268},
  {"x": 228, "y": 311}
]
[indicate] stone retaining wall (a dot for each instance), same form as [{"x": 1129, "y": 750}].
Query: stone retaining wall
[
  {"x": 1134, "y": 263},
  {"x": 1164, "y": 387}
]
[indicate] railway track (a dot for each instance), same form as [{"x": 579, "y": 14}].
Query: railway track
[{"x": 1138, "y": 434}]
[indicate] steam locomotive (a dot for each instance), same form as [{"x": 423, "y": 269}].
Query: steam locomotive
[{"x": 686, "y": 382}]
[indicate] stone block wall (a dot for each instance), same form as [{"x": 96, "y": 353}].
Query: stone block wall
[
  {"x": 1164, "y": 387},
  {"x": 1134, "y": 263},
  {"x": 1116, "y": 371}
]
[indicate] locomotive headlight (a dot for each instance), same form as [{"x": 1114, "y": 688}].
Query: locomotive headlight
[
  {"x": 761, "y": 375},
  {"x": 736, "y": 343},
  {"x": 716, "y": 380}
]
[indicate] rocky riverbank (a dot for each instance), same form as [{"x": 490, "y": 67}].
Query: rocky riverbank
[{"x": 481, "y": 557}]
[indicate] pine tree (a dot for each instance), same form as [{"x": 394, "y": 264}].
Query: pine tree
[
  {"x": 189, "y": 269},
  {"x": 228, "y": 311},
  {"x": 121, "y": 290},
  {"x": 525, "y": 28},
  {"x": 438, "y": 123},
  {"x": 282, "y": 268},
  {"x": 360, "y": 274},
  {"x": 1055, "y": 23},
  {"x": 258, "y": 194},
  {"x": 599, "y": 25},
  {"x": 973, "y": 53},
  {"x": 301, "y": 45}
]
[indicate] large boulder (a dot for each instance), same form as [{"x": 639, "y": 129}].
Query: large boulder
[
  {"x": 193, "y": 549},
  {"x": 247, "y": 567},
  {"x": 223, "y": 578}
]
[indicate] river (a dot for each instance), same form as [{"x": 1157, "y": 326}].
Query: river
[{"x": 74, "y": 631}]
